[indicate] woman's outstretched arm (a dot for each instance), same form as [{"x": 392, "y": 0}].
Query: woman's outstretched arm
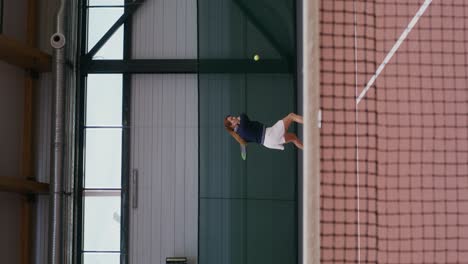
[{"x": 238, "y": 138}]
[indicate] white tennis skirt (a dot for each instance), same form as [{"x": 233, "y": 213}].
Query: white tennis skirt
[{"x": 274, "y": 136}]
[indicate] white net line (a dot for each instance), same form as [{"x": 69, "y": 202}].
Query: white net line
[
  {"x": 395, "y": 47},
  {"x": 379, "y": 70}
]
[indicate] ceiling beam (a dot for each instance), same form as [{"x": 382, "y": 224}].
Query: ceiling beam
[
  {"x": 187, "y": 66},
  {"x": 22, "y": 55},
  {"x": 22, "y": 186}
]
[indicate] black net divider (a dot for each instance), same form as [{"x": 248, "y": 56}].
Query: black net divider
[{"x": 394, "y": 166}]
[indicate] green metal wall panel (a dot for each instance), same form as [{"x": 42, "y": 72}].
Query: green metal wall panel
[
  {"x": 226, "y": 31},
  {"x": 248, "y": 209}
]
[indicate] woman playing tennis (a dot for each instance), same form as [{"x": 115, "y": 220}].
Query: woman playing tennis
[{"x": 243, "y": 130}]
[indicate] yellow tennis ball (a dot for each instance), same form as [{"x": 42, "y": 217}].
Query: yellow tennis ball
[{"x": 256, "y": 57}]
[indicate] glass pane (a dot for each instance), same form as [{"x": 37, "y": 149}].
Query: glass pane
[
  {"x": 99, "y": 22},
  {"x": 102, "y": 223},
  {"x": 101, "y": 258},
  {"x": 103, "y": 158},
  {"x": 104, "y": 100},
  {"x": 113, "y": 49},
  {"x": 105, "y": 2}
]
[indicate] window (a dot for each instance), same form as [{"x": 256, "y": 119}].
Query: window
[
  {"x": 102, "y": 134},
  {"x": 103, "y": 147},
  {"x": 102, "y": 221},
  {"x": 102, "y": 169},
  {"x": 102, "y": 14}
]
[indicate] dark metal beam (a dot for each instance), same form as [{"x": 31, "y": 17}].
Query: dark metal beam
[
  {"x": 244, "y": 66},
  {"x": 140, "y": 66},
  {"x": 126, "y": 136},
  {"x": 187, "y": 66},
  {"x": 129, "y": 10}
]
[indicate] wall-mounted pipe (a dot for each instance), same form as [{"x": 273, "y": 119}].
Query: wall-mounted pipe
[{"x": 56, "y": 180}]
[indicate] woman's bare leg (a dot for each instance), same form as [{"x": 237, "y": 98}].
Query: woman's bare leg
[
  {"x": 289, "y": 119},
  {"x": 291, "y": 137}
]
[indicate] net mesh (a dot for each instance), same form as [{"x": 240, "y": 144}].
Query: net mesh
[{"x": 394, "y": 168}]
